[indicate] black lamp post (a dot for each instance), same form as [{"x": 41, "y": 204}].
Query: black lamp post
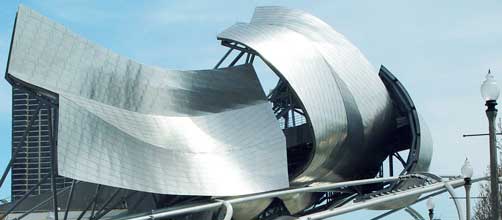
[{"x": 490, "y": 92}]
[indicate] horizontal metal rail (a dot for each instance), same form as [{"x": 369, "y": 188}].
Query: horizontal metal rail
[
  {"x": 217, "y": 204},
  {"x": 477, "y": 135},
  {"x": 367, "y": 204},
  {"x": 419, "y": 200}
]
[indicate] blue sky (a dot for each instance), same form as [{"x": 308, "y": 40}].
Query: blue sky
[{"x": 440, "y": 50}]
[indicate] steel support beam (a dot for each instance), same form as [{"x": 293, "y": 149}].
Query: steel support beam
[
  {"x": 95, "y": 203},
  {"x": 235, "y": 45},
  {"x": 68, "y": 201},
  {"x": 52, "y": 144},
  {"x": 398, "y": 156},
  {"x": 416, "y": 215},
  {"x": 21, "y": 142},
  {"x": 19, "y": 201},
  {"x": 40, "y": 204},
  {"x": 448, "y": 185},
  {"x": 138, "y": 202},
  {"x": 217, "y": 204},
  {"x": 391, "y": 165},
  {"x": 450, "y": 190},
  {"x": 237, "y": 58},
  {"x": 107, "y": 202},
  {"x": 223, "y": 58},
  {"x": 380, "y": 172},
  {"x": 105, "y": 211},
  {"x": 93, "y": 200},
  {"x": 418, "y": 200},
  {"x": 155, "y": 200},
  {"x": 247, "y": 57}
]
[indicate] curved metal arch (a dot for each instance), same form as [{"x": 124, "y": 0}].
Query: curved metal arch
[
  {"x": 300, "y": 48},
  {"x": 420, "y": 143},
  {"x": 290, "y": 43},
  {"x": 416, "y": 215}
]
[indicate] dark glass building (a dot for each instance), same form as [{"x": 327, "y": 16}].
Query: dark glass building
[{"x": 33, "y": 160}]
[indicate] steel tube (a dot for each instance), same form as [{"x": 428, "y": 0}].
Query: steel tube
[
  {"x": 95, "y": 203},
  {"x": 223, "y": 58},
  {"x": 106, "y": 210},
  {"x": 467, "y": 187},
  {"x": 426, "y": 197},
  {"x": 450, "y": 190},
  {"x": 21, "y": 141},
  {"x": 68, "y": 201},
  {"x": 16, "y": 203},
  {"x": 264, "y": 196},
  {"x": 314, "y": 189},
  {"x": 229, "y": 210},
  {"x": 53, "y": 171},
  {"x": 476, "y": 135},
  {"x": 416, "y": 215},
  {"x": 40, "y": 204},
  {"x": 343, "y": 210},
  {"x": 237, "y": 58},
  {"x": 93, "y": 200},
  {"x": 115, "y": 193}
]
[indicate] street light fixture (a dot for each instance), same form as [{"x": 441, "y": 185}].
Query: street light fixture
[
  {"x": 430, "y": 206},
  {"x": 489, "y": 89},
  {"x": 467, "y": 174},
  {"x": 490, "y": 93}
]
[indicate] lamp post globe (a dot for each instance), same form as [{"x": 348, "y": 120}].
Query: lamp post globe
[
  {"x": 490, "y": 93},
  {"x": 489, "y": 89},
  {"x": 467, "y": 172},
  {"x": 430, "y": 207},
  {"x": 430, "y": 203},
  {"x": 467, "y": 169}
]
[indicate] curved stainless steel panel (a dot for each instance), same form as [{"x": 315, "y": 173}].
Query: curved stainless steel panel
[
  {"x": 347, "y": 63},
  {"x": 132, "y": 126},
  {"x": 249, "y": 210},
  {"x": 425, "y": 150},
  {"x": 420, "y": 143},
  {"x": 345, "y": 101},
  {"x": 297, "y": 202}
]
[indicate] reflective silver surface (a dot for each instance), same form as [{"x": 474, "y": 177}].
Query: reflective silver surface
[
  {"x": 426, "y": 148},
  {"x": 346, "y": 103},
  {"x": 211, "y": 132},
  {"x": 423, "y": 161},
  {"x": 128, "y": 125}
]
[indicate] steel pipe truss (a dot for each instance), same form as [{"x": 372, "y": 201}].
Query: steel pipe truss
[{"x": 250, "y": 54}]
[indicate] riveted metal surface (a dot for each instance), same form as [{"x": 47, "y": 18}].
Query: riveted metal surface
[{"x": 128, "y": 125}]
